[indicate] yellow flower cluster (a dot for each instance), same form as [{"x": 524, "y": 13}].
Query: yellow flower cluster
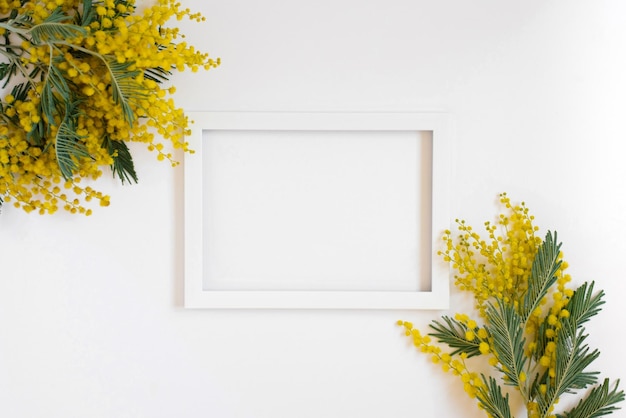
[
  {"x": 498, "y": 268},
  {"x": 474, "y": 333},
  {"x": 456, "y": 365},
  {"x": 98, "y": 83}
]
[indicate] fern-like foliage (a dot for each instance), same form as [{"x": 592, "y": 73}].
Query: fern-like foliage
[
  {"x": 55, "y": 31},
  {"x": 452, "y": 333},
  {"x": 125, "y": 87},
  {"x": 8, "y": 70},
  {"x": 51, "y": 103},
  {"x": 68, "y": 145},
  {"x": 58, "y": 15},
  {"x": 157, "y": 74},
  {"x": 600, "y": 401},
  {"x": 20, "y": 91},
  {"x": 88, "y": 14},
  {"x": 492, "y": 400},
  {"x": 55, "y": 28},
  {"x": 543, "y": 274},
  {"x": 505, "y": 327},
  {"x": 37, "y": 133},
  {"x": 574, "y": 356},
  {"x": 584, "y": 304},
  {"x": 123, "y": 165}
]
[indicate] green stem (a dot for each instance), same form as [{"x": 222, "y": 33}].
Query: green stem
[
  {"x": 16, "y": 60},
  {"x": 13, "y": 29}
]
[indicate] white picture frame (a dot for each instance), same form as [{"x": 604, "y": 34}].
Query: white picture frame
[{"x": 205, "y": 124}]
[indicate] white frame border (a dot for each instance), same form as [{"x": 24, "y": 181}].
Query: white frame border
[{"x": 194, "y": 294}]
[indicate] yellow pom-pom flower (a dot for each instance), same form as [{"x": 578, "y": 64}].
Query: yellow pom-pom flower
[{"x": 81, "y": 92}]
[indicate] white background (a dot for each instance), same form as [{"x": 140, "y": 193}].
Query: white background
[
  {"x": 91, "y": 317},
  {"x": 317, "y": 210}
]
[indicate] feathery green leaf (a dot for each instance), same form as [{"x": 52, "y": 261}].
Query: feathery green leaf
[
  {"x": 8, "y": 71},
  {"x": 58, "y": 82},
  {"x": 542, "y": 275},
  {"x": 37, "y": 134},
  {"x": 57, "y": 16},
  {"x": 504, "y": 324},
  {"x": 124, "y": 86},
  {"x": 157, "y": 74},
  {"x": 453, "y": 334},
  {"x": 20, "y": 91},
  {"x": 5, "y": 69},
  {"x": 584, "y": 304},
  {"x": 68, "y": 143},
  {"x": 89, "y": 14},
  {"x": 55, "y": 30},
  {"x": 123, "y": 164},
  {"x": 492, "y": 400},
  {"x": 600, "y": 401},
  {"x": 572, "y": 358},
  {"x": 52, "y": 104}
]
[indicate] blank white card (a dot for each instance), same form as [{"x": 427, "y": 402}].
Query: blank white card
[{"x": 317, "y": 210}]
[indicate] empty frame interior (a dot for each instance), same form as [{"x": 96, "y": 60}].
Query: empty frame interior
[
  {"x": 313, "y": 210},
  {"x": 302, "y": 211}
]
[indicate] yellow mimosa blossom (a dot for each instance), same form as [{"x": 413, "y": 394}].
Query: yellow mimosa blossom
[
  {"x": 85, "y": 87},
  {"x": 530, "y": 319}
]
